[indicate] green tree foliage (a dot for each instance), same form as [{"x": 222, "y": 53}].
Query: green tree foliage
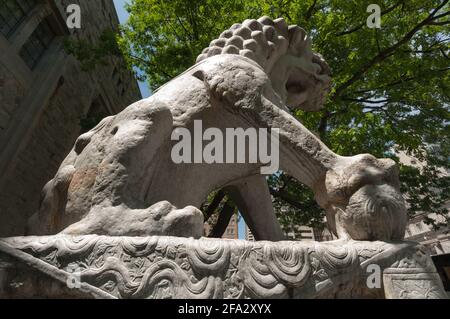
[
  {"x": 390, "y": 91},
  {"x": 94, "y": 52}
]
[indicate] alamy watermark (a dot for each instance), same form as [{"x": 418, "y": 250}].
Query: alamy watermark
[
  {"x": 374, "y": 279},
  {"x": 235, "y": 145},
  {"x": 374, "y": 20},
  {"x": 74, "y": 16},
  {"x": 74, "y": 278}
]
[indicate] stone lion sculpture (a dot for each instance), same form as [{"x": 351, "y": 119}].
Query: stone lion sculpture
[{"x": 119, "y": 178}]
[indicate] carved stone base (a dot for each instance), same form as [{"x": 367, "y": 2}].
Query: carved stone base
[{"x": 168, "y": 267}]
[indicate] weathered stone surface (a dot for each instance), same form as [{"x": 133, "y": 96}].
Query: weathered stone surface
[
  {"x": 168, "y": 267},
  {"x": 251, "y": 77}
]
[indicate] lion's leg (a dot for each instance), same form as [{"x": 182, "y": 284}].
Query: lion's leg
[
  {"x": 127, "y": 164},
  {"x": 109, "y": 166},
  {"x": 161, "y": 218},
  {"x": 253, "y": 199},
  {"x": 333, "y": 178}
]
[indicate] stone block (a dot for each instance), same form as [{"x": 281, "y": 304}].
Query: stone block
[{"x": 94, "y": 266}]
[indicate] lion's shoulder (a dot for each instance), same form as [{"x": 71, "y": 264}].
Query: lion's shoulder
[{"x": 228, "y": 78}]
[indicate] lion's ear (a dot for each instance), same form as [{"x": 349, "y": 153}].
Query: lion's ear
[{"x": 199, "y": 75}]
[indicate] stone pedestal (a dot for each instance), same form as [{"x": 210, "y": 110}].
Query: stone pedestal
[{"x": 169, "y": 267}]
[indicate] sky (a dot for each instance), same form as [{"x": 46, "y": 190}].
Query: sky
[{"x": 123, "y": 16}]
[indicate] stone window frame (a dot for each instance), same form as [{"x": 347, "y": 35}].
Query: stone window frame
[
  {"x": 37, "y": 44},
  {"x": 13, "y": 13},
  {"x": 46, "y": 73}
]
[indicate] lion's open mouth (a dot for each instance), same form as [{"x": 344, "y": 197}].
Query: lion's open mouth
[
  {"x": 300, "y": 87},
  {"x": 297, "y": 89}
]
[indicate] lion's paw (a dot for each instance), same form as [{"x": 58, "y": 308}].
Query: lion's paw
[{"x": 363, "y": 199}]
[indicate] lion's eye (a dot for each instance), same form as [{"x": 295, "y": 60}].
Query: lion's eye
[{"x": 294, "y": 87}]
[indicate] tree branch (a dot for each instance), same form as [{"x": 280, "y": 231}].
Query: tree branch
[
  {"x": 310, "y": 10},
  {"x": 363, "y": 24},
  {"x": 381, "y": 56},
  {"x": 285, "y": 197},
  {"x": 441, "y": 15},
  {"x": 150, "y": 64},
  {"x": 365, "y": 100},
  {"x": 214, "y": 204},
  {"x": 396, "y": 82},
  {"x": 439, "y": 22},
  {"x": 224, "y": 219}
]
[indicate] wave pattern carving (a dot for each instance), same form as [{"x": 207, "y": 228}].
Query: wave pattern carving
[{"x": 172, "y": 267}]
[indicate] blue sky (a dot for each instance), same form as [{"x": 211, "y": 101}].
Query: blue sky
[{"x": 123, "y": 16}]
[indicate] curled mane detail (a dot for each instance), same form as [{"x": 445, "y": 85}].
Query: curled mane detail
[{"x": 263, "y": 41}]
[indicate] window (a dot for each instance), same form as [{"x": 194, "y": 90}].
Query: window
[
  {"x": 36, "y": 44},
  {"x": 12, "y": 13}
]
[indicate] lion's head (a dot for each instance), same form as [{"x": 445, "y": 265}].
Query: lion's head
[{"x": 299, "y": 76}]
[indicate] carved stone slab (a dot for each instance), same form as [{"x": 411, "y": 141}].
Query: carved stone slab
[{"x": 169, "y": 267}]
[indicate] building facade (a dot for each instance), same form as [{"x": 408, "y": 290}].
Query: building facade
[
  {"x": 231, "y": 232},
  {"x": 301, "y": 233},
  {"x": 248, "y": 234},
  {"x": 437, "y": 242},
  {"x": 45, "y": 95}
]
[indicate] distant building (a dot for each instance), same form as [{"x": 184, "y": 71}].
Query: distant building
[
  {"x": 303, "y": 233},
  {"x": 306, "y": 233},
  {"x": 323, "y": 234},
  {"x": 44, "y": 96},
  {"x": 231, "y": 232},
  {"x": 248, "y": 234},
  {"x": 437, "y": 242}
]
